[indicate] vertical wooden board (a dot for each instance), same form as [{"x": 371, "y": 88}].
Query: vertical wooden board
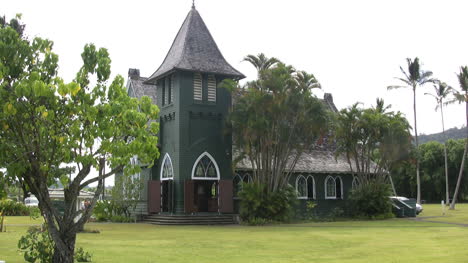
[
  {"x": 189, "y": 196},
  {"x": 154, "y": 196},
  {"x": 225, "y": 196}
]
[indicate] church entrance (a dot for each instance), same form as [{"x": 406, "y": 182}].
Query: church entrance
[
  {"x": 206, "y": 196},
  {"x": 167, "y": 196}
]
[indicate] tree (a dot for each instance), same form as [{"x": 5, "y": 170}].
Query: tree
[
  {"x": 46, "y": 123},
  {"x": 261, "y": 62},
  {"x": 415, "y": 77},
  {"x": 461, "y": 96},
  {"x": 372, "y": 141},
  {"x": 442, "y": 90},
  {"x": 274, "y": 121}
]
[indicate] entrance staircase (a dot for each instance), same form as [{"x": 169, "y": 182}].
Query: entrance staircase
[{"x": 199, "y": 219}]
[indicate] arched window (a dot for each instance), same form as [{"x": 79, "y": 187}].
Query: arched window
[
  {"x": 330, "y": 188},
  {"x": 167, "y": 171},
  {"x": 355, "y": 183},
  {"x": 205, "y": 168},
  {"x": 333, "y": 188},
  {"x": 237, "y": 185},
  {"x": 247, "y": 178},
  {"x": 339, "y": 188},
  {"x": 301, "y": 187},
  {"x": 310, "y": 187}
]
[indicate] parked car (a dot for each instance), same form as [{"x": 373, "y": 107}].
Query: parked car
[
  {"x": 419, "y": 207},
  {"x": 31, "y": 201}
]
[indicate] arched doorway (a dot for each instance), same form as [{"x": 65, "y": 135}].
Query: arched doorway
[
  {"x": 167, "y": 184},
  {"x": 205, "y": 174}
]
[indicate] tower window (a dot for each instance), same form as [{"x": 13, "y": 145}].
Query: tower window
[
  {"x": 169, "y": 90},
  {"x": 163, "y": 91},
  {"x": 197, "y": 87},
  {"x": 211, "y": 88}
]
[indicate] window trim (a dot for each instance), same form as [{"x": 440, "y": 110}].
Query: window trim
[
  {"x": 355, "y": 183},
  {"x": 195, "y": 99},
  {"x": 334, "y": 181},
  {"x": 218, "y": 175},
  {"x": 297, "y": 188},
  {"x": 166, "y": 157},
  {"x": 313, "y": 187}
]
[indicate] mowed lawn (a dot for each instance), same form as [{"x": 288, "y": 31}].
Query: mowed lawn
[{"x": 395, "y": 240}]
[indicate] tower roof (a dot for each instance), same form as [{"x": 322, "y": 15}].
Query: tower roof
[{"x": 194, "y": 49}]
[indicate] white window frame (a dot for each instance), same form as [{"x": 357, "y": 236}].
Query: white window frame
[
  {"x": 218, "y": 175},
  {"x": 168, "y": 158},
  {"x": 326, "y": 188},
  {"x": 197, "y": 93},
  {"x": 211, "y": 88},
  {"x": 341, "y": 186},
  {"x": 241, "y": 181},
  {"x": 297, "y": 188}
]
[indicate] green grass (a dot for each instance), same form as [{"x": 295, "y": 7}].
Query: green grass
[
  {"x": 459, "y": 215},
  {"x": 395, "y": 240}
]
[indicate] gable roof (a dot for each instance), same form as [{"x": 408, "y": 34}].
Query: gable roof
[
  {"x": 194, "y": 49},
  {"x": 137, "y": 88}
]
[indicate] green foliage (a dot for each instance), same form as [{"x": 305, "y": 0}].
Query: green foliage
[
  {"x": 103, "y": 210},
  {"x": 371, "y": 200},
  {"x": 12, "y": 208},
  {"x": 258, "y": 204},
  {"x": 432, "y": 172},
  {"x": 82, "y": 256},
  {"x": 372, "y": 139},
  {"x": 275, "y": 117},
  {"x": 36, "y": 245}
]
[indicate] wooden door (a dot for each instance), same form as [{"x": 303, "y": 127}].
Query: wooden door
[
  {"x": 225, "y": 196},
  {"x": 154, "y": 196},
  {"x": 189, "y": 196}
]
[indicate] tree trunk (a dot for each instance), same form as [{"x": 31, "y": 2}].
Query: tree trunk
[
  {"x": 65, "y": 255},
  {"x": 460, "y": 175},
  {"x": 418, "y": 179},
  {"x": 447, "y": 194}
]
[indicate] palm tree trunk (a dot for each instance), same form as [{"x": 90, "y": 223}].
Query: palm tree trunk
[
  {"x": 447, "y": 195},
  {"x": 460, "y": 175},
  {"x": 418, "y": 179}
]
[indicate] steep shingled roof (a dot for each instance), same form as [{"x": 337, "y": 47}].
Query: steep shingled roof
[
  {"x": 194, "y": 49},
  {"x": 139, "y": 89}
]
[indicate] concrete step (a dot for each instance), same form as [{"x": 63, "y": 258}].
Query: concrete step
[{"x": 190, "y": 219}]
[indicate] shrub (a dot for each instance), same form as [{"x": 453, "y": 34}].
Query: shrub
[
  {"x": 121, "y": 219},
  {"x": 109, "y": 210},
  {"x": 12, "y": 208},
  {"x": 257, "y": 203},
  {"x": 371, "y": 200},
  {"x": 38, "y": 246}
]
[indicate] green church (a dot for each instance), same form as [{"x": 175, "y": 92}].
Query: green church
[{"x": 194, "y": 174}]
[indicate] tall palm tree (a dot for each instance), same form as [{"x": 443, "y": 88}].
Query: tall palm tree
[
  {"x": 261, "y": 62},
  {"x": 306, "y": 81},
  {"x": 461, "y": 96},
  {"x": 380, "y": 106},
  {"x": 415, "y": 77},
  {"x": 442, "y": 90}
]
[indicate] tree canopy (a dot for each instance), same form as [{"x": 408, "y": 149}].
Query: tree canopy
[{"x": 46, "y": 123}]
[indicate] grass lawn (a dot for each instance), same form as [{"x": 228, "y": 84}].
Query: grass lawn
[
  {"x": 459, "y": 215},
  {"x": 395, "y": 240}
]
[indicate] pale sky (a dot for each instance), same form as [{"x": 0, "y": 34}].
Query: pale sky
[{"x": 354, "y": 48}]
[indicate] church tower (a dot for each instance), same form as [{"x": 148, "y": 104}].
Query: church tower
[{"x": 194, "y": 172}]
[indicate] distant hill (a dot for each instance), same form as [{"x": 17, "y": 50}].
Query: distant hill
[{"x": 453, "y": 133}]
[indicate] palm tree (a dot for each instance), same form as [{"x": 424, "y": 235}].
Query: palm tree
[
  {"x": 461, "y": 96},
  {"x": 442, "y": 90},
  {"x": 413, "y": 79},
  {"x": 380, "y": 106},
  {"x": 261, "y": 62},
  {"x": 306, "y": 81}
]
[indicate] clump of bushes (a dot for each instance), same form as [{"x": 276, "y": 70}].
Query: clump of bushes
[
  {"x": 38, "y": 246},
  {"x": 371, "y": 200},
  {"x": 259, "y": 206},
  {"x": 13, "y": 208},
  {"x": 109, "y": 210}
]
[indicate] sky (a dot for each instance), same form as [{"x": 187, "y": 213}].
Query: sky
[{"x": 354, "y": 48}]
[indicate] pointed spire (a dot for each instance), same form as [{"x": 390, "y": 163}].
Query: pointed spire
[
  {"x": 194, "y": 49},
  {"x": 193, "y": 4}
]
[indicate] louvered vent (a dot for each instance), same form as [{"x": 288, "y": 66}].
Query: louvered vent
[
  {"x": 172, "y": 89},
  {"x": 211, "y": 88},
  {"x": 197, "y": 87}
]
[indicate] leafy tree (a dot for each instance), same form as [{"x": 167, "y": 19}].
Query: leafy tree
[
  {"x": 461, "y": 96},
  {"x": 261, "y": 62},
  {"x": 126, "y": 194},
  {"x": 274, "y": 121},
  {"x": 442, "y": 90},
  {"x": 415, "y": 77},
  {"x": 45, "y": 123},
  {"x": 372, "y": 141}
]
